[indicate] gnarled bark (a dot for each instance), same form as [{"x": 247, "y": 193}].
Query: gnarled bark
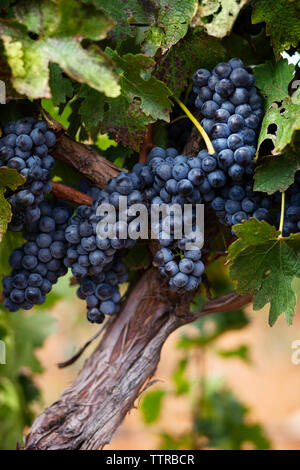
[{"x": 88, "y": 413}]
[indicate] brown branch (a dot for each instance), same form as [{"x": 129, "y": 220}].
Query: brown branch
[
  {"x": 81, "y": 157},
  {"x": 62, "y": 191},
  {"x": 147, "y": 144}
]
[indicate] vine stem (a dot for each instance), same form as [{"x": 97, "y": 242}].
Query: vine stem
[
  {"x": 282, "y": 212},
  {"x": 69, "y": 194},
  {"x": 207, "y": 140}
]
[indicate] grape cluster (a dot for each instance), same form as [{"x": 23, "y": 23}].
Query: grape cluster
[
  {"x": 232, "y": 112},
  {"x": 38, "y": 264},
  {"x": 24, "y": 146},
  {"x": 101, "y": 292},
  {"x": 169, "y": 178},
  {"x": 94, "y": 260}
]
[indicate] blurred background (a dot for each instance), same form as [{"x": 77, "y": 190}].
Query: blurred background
[{"x": 227, "y": 381}]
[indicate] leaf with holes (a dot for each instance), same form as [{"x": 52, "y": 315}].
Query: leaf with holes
[
  {"x": 282, "y": 20},
  {"x": 138, "y": 84},
  {"x": 263, "y": 264},
  {"x": 272, "y": 79},
  {"x": 217, "y": 16},
  {"x": 282, "y": 117},
  {"x": 127, "y": 15},
  {"x": 172, "y": 21}
]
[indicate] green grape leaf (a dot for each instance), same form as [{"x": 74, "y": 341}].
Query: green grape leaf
[
  {"x": 276, "y": 172},
  {"x": 90, "y": 65},
  {"x": 151, "y": 405},
  {"x": 126, "y": 15},
  {"x": 172, "y": 21},
  {"x": 22, "y": 334},
  {"x": 29, "y": 65},
  {"x": 202, "y": 51},
  {"x": 218, "y": 16},
  {"x": 223, "y": 420},
  {"x": 92, "y": 106},
  {"x": 159, "y": 24},
  {"x": 144, "y": 99},
  {"x": 35, "y": 328},
  {"x": 29, "y": 59},
  {"x": 282, "y": 20},
  {"x": 9, "y": 178},
  {"x": 61, "y": 87},
  {"x": 63, "y": 18},
  {"x": 125, "y": 122},
  {"x": 281, "y": 118},
  {"x": 263, "y": 264},
  {"x": 273, "y": 80},
  {"x": 40, "y": 17},
  {"x": 138, "y": 84}
]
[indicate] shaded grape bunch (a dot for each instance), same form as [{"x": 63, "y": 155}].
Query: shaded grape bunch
[
  {"x": 38, "y": 264},
  {"x": 101, "y": 293},
  {"x": 169, "y": 178},
  {"x": 24, "y": 146},
  {"x": 232, "y": 113},
  {"x": 95, "y": 261}
]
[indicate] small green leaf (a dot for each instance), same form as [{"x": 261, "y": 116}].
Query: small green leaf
[
  {"x": 92, "y": 106},
  {"x": 263, "y": 264},
  {"x": 151, "y": 405},
  {"x": 241, "y": 352},
  {"x": 282, "y": 20},
  {"x": 276, "y": 172},
  {"x": 218, "y": 16},
  {"x": 9, "y": 178}
]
